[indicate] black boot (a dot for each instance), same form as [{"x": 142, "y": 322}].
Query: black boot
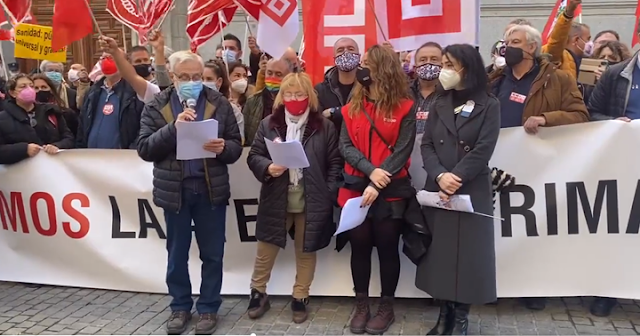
[
  {"x": 461, "y": 319},
  {"x": 444, "y": 326}
]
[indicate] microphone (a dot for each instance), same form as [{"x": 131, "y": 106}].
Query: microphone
[{"x": 191, "y": 103}]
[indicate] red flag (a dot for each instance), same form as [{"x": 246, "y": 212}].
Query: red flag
[
  {"x": 18, "y": 9},
  {"x": 635, "y": 39},
  {"x": 71, "y": 22},
  {"x": 205, "y": 18},
  {"x": 140, "y": 19},
  {"x": 251, "y": 7},
  {"x": 551, "y": 22}
]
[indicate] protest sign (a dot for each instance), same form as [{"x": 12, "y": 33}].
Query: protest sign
[{"x": 34, "y": 42}]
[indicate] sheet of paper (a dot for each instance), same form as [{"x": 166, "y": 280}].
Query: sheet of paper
[
  {"x": 460, "y": 203},
  {"x": 288, "y": 154},
  {"x": 192, "y": 135},
  {"x": 352, "y": 215}
]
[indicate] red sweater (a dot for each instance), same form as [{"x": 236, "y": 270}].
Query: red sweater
[{"x": 367, "y": 141}]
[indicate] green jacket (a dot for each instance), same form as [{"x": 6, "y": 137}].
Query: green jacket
[{"x": 252, "y": 112}]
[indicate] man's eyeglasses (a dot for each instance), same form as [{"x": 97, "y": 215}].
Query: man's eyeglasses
[{"x": 188, "y": 77}]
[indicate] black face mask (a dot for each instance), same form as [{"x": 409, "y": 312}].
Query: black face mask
[
  {"x": 44, "y": 96},
  {"x": 513, "y": 56},
  {"x": 363, "y": 76},
  {"x": 143, "y": 70}
]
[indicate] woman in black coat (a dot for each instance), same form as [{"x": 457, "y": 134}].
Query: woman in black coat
[
  {"x": 47, "y": 93},
  {"x": 27, "y": 127},
  {"x": 301, "y": 200},
  {"x": 460, "y": 136}
]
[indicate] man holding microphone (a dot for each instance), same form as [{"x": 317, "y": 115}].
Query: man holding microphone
[{"x": 193, "y": 190}]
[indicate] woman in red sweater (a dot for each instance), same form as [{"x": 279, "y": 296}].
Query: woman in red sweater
[{"x": 376, "y": 141}]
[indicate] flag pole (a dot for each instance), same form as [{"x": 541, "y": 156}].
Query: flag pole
[
  {"x": 4, "y": 63},
  {"x": 93, "y": 17},
  {"x": 124, "y": 39},
  {"x": 375, "y": 16},
  {"x": 14, "y": 21}
]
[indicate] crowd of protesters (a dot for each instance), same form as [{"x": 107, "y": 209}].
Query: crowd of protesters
[{"x": 358, "y": 127}]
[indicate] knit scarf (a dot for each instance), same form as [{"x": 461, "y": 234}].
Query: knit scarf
[{"x": 295, "y": 130}]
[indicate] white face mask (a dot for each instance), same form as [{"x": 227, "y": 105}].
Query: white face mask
[
  {"x": 499, "y": 62},
  {"x": 212, "y": 85},
  {"x": 240, "y": 85},
  {"x": 449, "y": 78},
  {"x": 73, "y": 75}
]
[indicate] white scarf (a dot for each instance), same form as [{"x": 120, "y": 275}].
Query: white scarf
[{"x": 295, "y": 131}]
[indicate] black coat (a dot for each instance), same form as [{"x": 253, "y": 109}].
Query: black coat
[
  {"x": 329, "y": 96},
  {"x": 320, "y": 141},
  {"x": 157, "y": 144},
  {"x": 16, "y": 132},
  {"x": 460, "y": 265},
  {"x": 130, "y": 110}
]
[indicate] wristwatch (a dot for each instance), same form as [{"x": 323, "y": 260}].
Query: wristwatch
[{"x": 439, "y": 177}]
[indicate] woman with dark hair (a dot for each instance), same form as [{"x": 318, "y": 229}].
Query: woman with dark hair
[
  {"x": 612, "y": 51},
  {"x": 376, "y": 140},
  {"x": 47, "y": 93},
  {"x": 240, "y": 88},
  {"x": 215, "y": 77},
  {"x": 461, "y": 134},
  {"x": 27, "y": 127}
]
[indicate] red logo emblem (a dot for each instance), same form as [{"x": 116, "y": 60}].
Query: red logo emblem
[
  {"x": 279, "y": 10},
  {"x": 107, "y": 109}
]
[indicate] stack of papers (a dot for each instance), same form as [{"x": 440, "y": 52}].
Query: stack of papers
[
  {"x": 288, "y": 154},
  {"x": 192, "y": 135}
]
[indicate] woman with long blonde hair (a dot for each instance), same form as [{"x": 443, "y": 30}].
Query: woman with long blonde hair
[
  {"x": 376, "y": 141},
  {"x": 293, "y": 197}
]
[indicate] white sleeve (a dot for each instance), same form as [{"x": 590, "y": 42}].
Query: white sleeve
[{"x": 150, "y": 93}]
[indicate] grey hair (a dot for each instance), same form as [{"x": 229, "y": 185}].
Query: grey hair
[
  {"x": 290, "y": 65},
  {"x": 44, "y": 65},
  {"x": 576, "y": 29},
  {"x": 532, "y": 35},
  {"x": 180, "y": 57}
]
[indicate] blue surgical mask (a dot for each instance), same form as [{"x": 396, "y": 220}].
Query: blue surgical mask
[
  {"x": 229, "y": 55},
  {"x": 56, "y": 77},
  {"x": 211, "y": 85},
  {"x": 189, "y": 90}
]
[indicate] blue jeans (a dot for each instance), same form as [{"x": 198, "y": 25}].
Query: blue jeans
[{"x": 209, "y": 227}]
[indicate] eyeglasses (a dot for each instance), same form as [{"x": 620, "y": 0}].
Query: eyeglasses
[
  {"x": 187, "y": 77},
  {"x": 297, "y": 95}
]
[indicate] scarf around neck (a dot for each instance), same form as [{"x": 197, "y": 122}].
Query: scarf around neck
[{"x": 295, "y": 130}]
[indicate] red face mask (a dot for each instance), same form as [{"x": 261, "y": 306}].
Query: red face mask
[
  {"x": 297, "y": 107},
  {"x": 108, "y": 66}
]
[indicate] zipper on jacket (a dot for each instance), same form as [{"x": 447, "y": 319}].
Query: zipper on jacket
[{"x": 180, "y": 192}]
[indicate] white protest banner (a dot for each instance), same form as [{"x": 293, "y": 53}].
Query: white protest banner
[{"x": 85, "y": 218}]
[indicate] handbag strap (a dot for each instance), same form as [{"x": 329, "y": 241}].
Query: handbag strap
[{"x": 375, "y": 129}]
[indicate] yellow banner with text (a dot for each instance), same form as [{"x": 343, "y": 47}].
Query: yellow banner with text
[{"x": 34, "y": 42}]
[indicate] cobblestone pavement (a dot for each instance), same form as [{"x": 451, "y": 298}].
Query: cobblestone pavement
[{"x": 50, "y": 310}]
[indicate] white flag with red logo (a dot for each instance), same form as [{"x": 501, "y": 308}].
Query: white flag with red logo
[
  {"x": 206, "y": 18},
  {"x": 278, "y": 23}
]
